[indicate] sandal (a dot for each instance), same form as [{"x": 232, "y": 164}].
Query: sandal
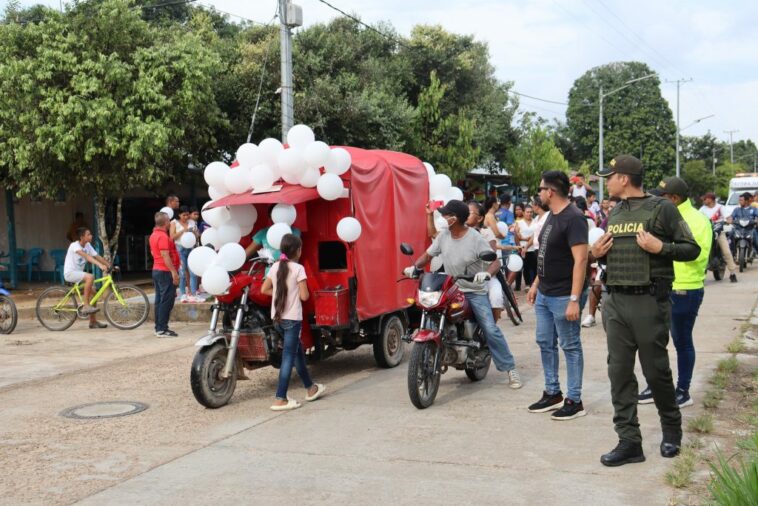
[
  {"x": 320, "y": 390},
  {"x": 291, "y": 404}
]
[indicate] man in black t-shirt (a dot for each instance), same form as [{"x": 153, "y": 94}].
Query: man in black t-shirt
[{"x": 558, "y": 295}]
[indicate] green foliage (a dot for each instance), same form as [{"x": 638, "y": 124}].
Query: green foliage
[
  {"x": 535, "y": 153},
  {"x": 712, "y": 399},
  {"x": 637, "y": 119},
  {"x": 702, "y": 424},
  {"x": 699, "y": 178},
  {"x": 727, "y": 365},
  {"x": 736, "y": 346},
  {"x": 680, "y": 474},
  {"x": 734, "y": 485}
]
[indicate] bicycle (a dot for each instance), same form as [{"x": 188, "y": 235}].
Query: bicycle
[
  {"x": 510, "y": 303},
  {"x": 8, "y": 311},
  {"x": 126, "y": 307}
]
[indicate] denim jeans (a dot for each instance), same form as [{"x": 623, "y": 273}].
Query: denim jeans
[
  {"x": 184, "y": 255},
  {"x": 501, "y": 354},
  {"x": 292, "y": 354},
  {"x": 684, "y": 308},
  {"x": 552, "y": 329},
  {"x": 165, "y": 293}
]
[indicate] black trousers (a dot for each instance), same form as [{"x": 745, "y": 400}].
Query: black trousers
[{"x": 530, "y": 267}]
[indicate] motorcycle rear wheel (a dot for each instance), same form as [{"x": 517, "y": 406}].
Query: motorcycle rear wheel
[
  {"x": 208, "y": 387},
  {"x": 8, "y": 315},
  {"x": 479, "y": 373},
  {"x": 719, "y": 271},
  {"x": 423, "y": 377},
  {"x": 388, "y": 345}
]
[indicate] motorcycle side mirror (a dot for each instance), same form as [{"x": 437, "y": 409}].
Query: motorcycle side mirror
[
  {"x": 406, "y": 248},
  {"x": 488, "y": 256}
]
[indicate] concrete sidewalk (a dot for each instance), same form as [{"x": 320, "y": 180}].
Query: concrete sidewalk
[{"x": 366, "y": 444}]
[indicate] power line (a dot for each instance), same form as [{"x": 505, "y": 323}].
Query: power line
[
  {"x": 253, "y": 21},
  {"x": 165, "y": 4},
  {"x": 536, "y": 98},
  {"x": 357, "y": 20}
]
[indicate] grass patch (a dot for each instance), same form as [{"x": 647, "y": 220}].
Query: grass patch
[
  {"x": 680, "y": 474},
  {"x": 736, "y": 346},
  {"x": 720, "y": 380},
  {"x": 734, "y": 484},
  {"x": 749, "y": 445},
  {"x": 703, "y": 424},
  {"x": 712, "y": 399},
  {"x": 727, "y": 365}
]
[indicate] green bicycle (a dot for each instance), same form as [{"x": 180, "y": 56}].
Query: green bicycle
[{"x": 125, "y": 307}]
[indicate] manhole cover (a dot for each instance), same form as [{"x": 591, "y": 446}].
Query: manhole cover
[{"x": 109, "y": 409}]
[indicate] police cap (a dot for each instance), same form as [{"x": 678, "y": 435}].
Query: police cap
[
  {"x": 674, "y": 186},
  {"x": 623, "y": 164}
]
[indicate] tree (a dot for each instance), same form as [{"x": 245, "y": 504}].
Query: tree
[
  {"x": 535, "y": 153},
  {"x": 95, "y": 100},
  {"x": 699, "y": 178},
  {"x": 637, "y": 119}
]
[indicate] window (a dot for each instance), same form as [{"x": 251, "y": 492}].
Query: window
[{"x": 332, "y": 256}]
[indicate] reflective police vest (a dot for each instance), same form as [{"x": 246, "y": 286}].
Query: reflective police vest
[{"x": 628, "y": 264}]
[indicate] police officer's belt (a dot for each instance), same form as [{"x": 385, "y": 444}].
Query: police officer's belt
[{"x": 655, "y": 288}]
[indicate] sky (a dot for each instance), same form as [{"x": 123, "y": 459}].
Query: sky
[{"x": 544, "y": 45}]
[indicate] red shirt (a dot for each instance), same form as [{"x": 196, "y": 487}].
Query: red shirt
[{"x": 160, "y": 241}]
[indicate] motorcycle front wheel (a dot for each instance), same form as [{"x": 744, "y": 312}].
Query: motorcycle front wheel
[
  {"x": 423, "y": 376},
  {"x": 8, "y": 315},
  {"x": 742, "y": 258},
  {"x": 208, "y": 387}
]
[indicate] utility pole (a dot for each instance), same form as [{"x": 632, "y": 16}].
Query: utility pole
[
  {"x": 290, "y": 16},
  {"x": 678, "y": 84},
  {"x": 713, "y": 158},
  {"x": 731, "y": 148}
]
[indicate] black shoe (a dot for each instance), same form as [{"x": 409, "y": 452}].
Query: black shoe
[
  {"x": 645, "y": 397},
  {"x": 625, "y": 452},
  {"x": 670, "y": 445},
  {"x": 732, "y": 278},
  {"x": 170, "y": 333},
  {"x": 547, "y": 403},
  {"x": 683, "y": 398},
  {"x": 97, "y": 325},
  {"x": 569, "y": 411}
]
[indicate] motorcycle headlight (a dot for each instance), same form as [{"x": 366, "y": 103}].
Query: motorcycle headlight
[
  {"x": 429, "y": 299},
  {"x": 744, "y": 223}
]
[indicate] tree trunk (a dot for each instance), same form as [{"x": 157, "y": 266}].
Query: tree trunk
[{"x": 110, "y": 243}]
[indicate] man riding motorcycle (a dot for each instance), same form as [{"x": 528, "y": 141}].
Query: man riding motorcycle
[
  {"x": 715, "y": 212},
  {"x": 459, "y": 247}
]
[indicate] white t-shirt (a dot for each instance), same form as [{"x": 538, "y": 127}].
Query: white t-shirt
[
  {"x": 595, "y": 208},
  {"x": 490, "y": 236},
  {"x": 75, "y": 262},
  {"x": 191, "y": 225},
  {"x": 577, "y": 191},
  {"x": 538, "y": 222},
  {"x": 293, "y": 307},
  {"x": 527, "y": 230},
  {"x": 715, "y": 213}
]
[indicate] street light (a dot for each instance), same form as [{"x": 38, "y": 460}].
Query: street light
[
  {"x": 601, "y": 96},
  {"x": 696, "y": 122},
  {"x": 680, "y": 130}
]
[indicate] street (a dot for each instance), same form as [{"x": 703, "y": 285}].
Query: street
[{"x": 363, "y": 443}]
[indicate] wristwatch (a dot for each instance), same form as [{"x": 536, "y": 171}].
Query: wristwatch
[{"x": 574, "y": 298}]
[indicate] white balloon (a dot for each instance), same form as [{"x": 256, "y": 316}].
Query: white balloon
[
  {"x": 300, "y": 136},
  {"x": 284, "y": 213},
  {"x": 229, "y": 232},
  {"x": 200, "y": 259},
  {"x": 429, "y": 169},
  {"x": 215, "y": 280},
  {"x": 249, "y": 155},
  {"x": 237, "y": 180},
  {"x": 216, "y": 194},
  {"x": 188, "y": 240},
  {"x": 216, "y": 217},
  {"x": 214, "y": 174},
  {"x": 595, "y": 234},
  {"x": 502, "y": 227},
  {"x": 439, "y": 184},
  {"x": 329, "y": 186},
  {"x": 317, "y": 154},
  {"x": 275, "y": 234},
  {"x": 291, "y": 162},
  {"x": 291, "y": 178},
  {"x": 170, "y": 212},
  {"x": 232, "y": 256},
  {"x": 440, "y": 223},
  {"x": 514, "y": 263},
  {"x": 270, "y": 149},
  {"x": 209, "y": 236},
  {"x": 339, "y": 161},
  {"x": 310, "y": 178},
  {"x": 262, "y": 177},
  {"x": 245, "y": 215},
  {"x": 454, "y": 193},
  {"x": 349, "y": 229}
]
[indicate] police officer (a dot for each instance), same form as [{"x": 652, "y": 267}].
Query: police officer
[{"x": 645, "y": 235}]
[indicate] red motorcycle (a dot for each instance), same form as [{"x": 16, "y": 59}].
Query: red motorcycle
[{"x": 447, "y": 336}]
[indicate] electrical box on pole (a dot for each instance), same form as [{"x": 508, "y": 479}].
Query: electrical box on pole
[{"x": 294, "y": 15}]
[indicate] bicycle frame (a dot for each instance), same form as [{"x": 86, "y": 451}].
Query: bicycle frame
[{"x": 107, "y": 282}]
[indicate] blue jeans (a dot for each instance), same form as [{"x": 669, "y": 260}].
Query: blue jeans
[
  {"x": 292, "y": 354},
  {"x": 684, "y": 310},
  {"x": 165, "y": 293},
  {"x": 501, "y": 354},
  {"x": 184, "y": 255},
  {"x": 552, "y": 329}
]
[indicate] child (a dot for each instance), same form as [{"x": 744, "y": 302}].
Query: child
[{"x": 285, "y": 281}]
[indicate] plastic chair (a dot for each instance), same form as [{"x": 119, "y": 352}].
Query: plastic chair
[
  {"x": 59, "y": 255},
  {"x": 32, "y": 259},
  {"x": 20, "y": 258}
]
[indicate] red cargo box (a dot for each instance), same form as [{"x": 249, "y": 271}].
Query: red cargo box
[
  {"x": 252, "y": 347},
  {"x": 332, "y": 307}
]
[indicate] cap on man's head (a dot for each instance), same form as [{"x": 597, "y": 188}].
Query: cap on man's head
[
  {"x": 623, "y": 164},
  {"x": 674, "y": 186},
  {"x": 455, "y": 208},
  {"x": 505, "y": 198}
]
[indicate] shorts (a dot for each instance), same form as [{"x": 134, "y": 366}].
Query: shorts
[
  {"x": 74, "y": 276},
  {"x": 495, "y": 292}
]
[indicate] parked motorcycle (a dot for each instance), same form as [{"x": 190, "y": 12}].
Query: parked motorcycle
[
  {"x": 8, "y": 311},
  {"x": 743, "y": 241},
  {"x": 716, "y": 261},
  {"x": 448, "y": 335}
]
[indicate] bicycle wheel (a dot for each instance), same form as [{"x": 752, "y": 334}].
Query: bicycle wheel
[
  {"x": 8, "y": 315},
  {"x": 55, "y": 311},
  {"x": 510, "y": 300},
  {"x": 132, "y": 312}
]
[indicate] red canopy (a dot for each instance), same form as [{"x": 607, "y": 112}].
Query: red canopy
[{"x": 289, "y": 194}]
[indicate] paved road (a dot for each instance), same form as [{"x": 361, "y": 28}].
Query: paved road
[{"x": 364, "y": 443}]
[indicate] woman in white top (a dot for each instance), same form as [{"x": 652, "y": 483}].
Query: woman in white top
[
  {"x": 527, "y": 230},
  {"x": 186, "y": 278}
]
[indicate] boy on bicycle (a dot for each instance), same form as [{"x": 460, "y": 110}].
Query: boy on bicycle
[{"x": 79, "y": 253}]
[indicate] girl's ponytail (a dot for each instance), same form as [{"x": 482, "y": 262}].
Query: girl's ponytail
[{"x": 290, "y": 244}]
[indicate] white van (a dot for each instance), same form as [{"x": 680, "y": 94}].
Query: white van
[{"x": 741, "y": 183}]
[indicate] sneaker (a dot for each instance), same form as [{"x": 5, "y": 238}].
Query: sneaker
[
  {"x": 184, "y": 298},
  {"x": 569, "y": 411},
  {"x": 549, "y": 402},
  {"x": 589, "y": 321},
  {"x": 170, "y": 333},
  {"x": 87, "y": 309},
  {"x": 158, "y": 333},
  {"x": 732, "y": 278},
  {"x": 97, "y": 325},
  {"x": 514, "y": 379},
  {"x": 683, "y": 398},
  {"x": 645, "y": 397}
]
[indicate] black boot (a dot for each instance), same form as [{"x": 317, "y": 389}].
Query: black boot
[
  {"x": 671, "y": 445},
  {"x": 626, "y": 452}
]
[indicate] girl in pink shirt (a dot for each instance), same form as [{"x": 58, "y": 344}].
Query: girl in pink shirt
[{"x": 286, "y": 282}]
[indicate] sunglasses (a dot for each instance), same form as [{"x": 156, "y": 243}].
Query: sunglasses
[{"x": 543, "y": 188}]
